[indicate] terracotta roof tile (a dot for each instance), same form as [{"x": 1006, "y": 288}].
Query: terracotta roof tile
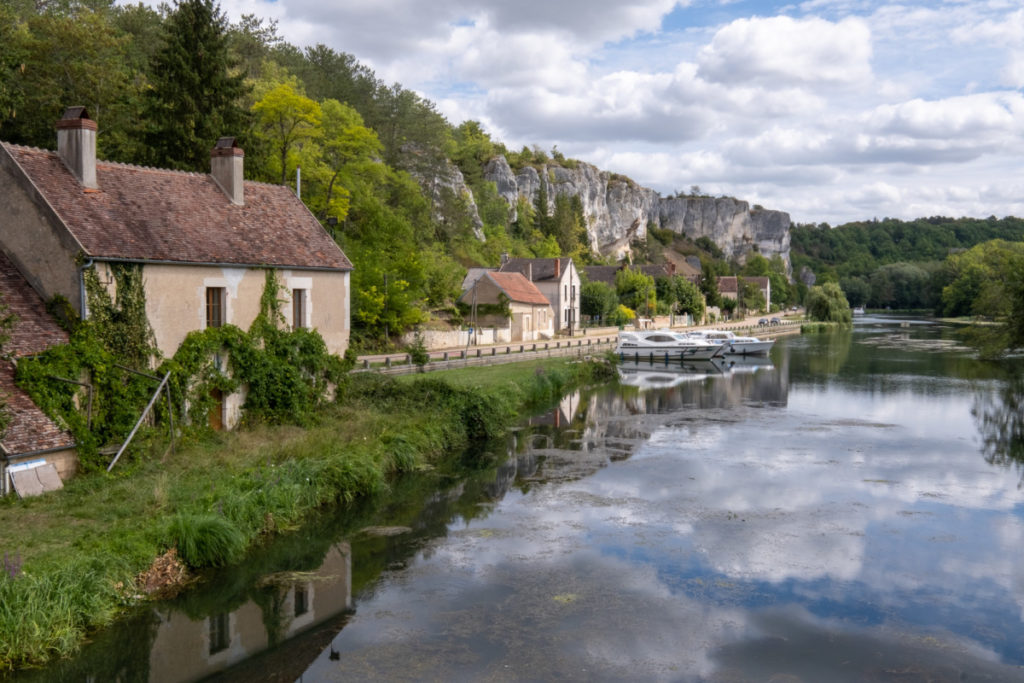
[
  {"x": 34, "y": 331},
  {"x": 152, "y": 214},
  {"x": 518, "y": 289}
]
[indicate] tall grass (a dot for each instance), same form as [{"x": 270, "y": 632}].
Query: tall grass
[{"x": 83, "y": 546}]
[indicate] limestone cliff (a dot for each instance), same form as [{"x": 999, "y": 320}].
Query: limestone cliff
[{"x": 618, "y": 211}]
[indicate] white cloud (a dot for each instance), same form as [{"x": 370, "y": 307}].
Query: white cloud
[{"x": 782, "y": 51}]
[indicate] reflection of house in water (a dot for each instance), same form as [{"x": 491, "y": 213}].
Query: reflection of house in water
[
  {"x": 561, "y": 415},
  {"x": 187, "y": 650}
]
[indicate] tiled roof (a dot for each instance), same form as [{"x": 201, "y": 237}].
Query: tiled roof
[
  {"x": 472, "y": 275},
  {"x": 152, "y": 214},
  {"x": 605, "y": 274},
  {"x": 540, "y": 268},
  {"x": 518, "y": 289},
  {"x": 34, "y": 331},
  {"x": 727, "y": 283}
]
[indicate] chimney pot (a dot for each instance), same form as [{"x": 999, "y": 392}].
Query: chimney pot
[
  {"x": 227, "y": 167},
  {"x": 76, "y": 145}
]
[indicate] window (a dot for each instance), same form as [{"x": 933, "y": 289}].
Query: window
[
  {"x": 214, "y": 306},
  {"x": 299, "y": 319},
  {"x": 219, "y": 639},
  {"x": 301, "y": 601}
]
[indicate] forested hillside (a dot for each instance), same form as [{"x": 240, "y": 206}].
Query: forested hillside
[
  {"x": 893, "y": 263},
  {"x": 376, "y": 159}
]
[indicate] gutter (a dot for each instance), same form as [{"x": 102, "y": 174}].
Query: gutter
[{"x": 84, "y": 314}]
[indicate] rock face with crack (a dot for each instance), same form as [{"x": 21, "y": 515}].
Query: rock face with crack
[{"x": 618, "y": 211}]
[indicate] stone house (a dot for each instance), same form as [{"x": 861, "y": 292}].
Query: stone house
[
  {"x": 35, "y": 454},
  {"x": 528, "y": 315},
  {"x": 558, "y": 280},
  {"x": 728, "y": 286},
  {"x": 203, "y": 241}
]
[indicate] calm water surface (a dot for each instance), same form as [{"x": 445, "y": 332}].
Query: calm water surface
[{"x": 848, "y": 510}]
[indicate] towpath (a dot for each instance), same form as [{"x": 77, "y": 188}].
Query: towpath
[{"x": 589, "y": 342}]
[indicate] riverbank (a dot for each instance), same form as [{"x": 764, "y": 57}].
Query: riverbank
[{"x": 75, "y": 559}]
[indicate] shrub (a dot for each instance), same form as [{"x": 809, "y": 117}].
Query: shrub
[{"x": 206, "y": 540}]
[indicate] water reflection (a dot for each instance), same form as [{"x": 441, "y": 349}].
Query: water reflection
[
  {"x": 1000, "y": 418},
  {"x": 833, "y": 514},
  {"x": 728, "y": 526}
]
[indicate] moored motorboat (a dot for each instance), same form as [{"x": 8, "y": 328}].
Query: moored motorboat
[
  {"x": 732, "y": 344},
  {"x": 665, "y": 344}
]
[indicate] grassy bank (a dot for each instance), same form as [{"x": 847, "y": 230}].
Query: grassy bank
[{"x": 73, "y": 559}]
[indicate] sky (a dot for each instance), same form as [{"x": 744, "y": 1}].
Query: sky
[{"x": 831, "y": 110}]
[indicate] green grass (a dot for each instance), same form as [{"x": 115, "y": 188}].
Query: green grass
[{"x": 73, "y": 555}]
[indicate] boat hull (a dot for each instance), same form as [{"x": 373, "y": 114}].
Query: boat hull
[
  {"x": 742, "y": 348},
  {"x": 695, "y": 352}
]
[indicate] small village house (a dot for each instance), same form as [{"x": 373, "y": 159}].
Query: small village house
[
  {"x": 511, "y": 303},
  {"x": 558, "y": 280},
  {"x": 203, "y": 241},
  {"x": 728, "y": 286}
]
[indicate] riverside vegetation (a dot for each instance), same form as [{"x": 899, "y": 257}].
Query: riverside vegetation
[{"x": 75, "y": 559}]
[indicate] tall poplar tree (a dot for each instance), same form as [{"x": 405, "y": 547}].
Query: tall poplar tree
[{"x": 196, "y": 96}]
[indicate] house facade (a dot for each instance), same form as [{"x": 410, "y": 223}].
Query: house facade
[
  {"x": 528, "y": 315},
  {"x": 728, "y": 286},
  {"x": 203, "y": 241},
  {"x": 559, "y": 282}
]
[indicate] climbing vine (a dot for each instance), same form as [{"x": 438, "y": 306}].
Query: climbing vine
[{"x": 286, "y": 373}]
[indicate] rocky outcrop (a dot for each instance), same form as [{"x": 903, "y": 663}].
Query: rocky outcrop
[
  {"x": 618, "y": 211},
  {"x": 449, "y": 186}
]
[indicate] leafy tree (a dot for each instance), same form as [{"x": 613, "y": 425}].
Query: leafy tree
[
  {"x": 826, "y": 303},
  {"x": 751, "y": 298},
  {"x": 598, "y": 300},
  {"x": 195, "y": 96},
  {"x": 709, "y": 284},
  {"x": 636, "y": 291},
  {"x": 541, "y": 217},
  {"x": 979, "y": 279},
  {"x": 856, "y": 289},
  {"x": 349, "y": 152},
  {"x": 286, "y": 120},
  {"x": 688, "y": 297},
  {"x": 61, "y": 57}
]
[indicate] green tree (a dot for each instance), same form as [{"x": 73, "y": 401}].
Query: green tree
[
  {"x": 349, "y": 156},
  {"x": 287, "y": 120},
  {"x": 195, "y": 96},
  {"x": 826, "y": 303},
  {"x": 598, "y": 300},
  {"x": 636, "y": 291},
  {"x": 856, "y": 289}
]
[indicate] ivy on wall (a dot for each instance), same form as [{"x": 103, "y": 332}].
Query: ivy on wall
[{"x": 287, "y": 373}]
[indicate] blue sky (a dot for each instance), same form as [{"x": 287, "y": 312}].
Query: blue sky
[{"x": 832, "y": 110}]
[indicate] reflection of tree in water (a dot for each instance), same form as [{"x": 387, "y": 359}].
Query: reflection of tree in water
[{"x": 1000, "y": 418}]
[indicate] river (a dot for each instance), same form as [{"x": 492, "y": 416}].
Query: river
[{"x": 848, "y": 510}]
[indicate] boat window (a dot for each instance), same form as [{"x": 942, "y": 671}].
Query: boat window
[{"x": 661, "y": 338}]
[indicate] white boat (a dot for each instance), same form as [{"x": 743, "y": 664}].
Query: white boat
[
  {"x": 734, "y": 345},
  {"x": 665, "y": 344}
]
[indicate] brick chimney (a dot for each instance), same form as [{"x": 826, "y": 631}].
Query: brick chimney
[
  {"x": 76, "y": 145},
  {"x": 226, "y": 166}
]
